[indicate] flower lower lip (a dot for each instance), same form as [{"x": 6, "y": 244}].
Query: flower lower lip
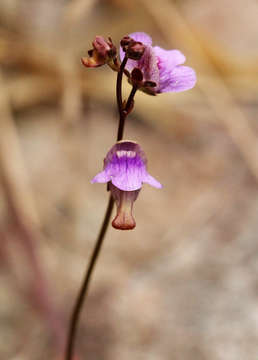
[
  {"x": 124, "y": 219},
  {"x": 123, "y": 223}
]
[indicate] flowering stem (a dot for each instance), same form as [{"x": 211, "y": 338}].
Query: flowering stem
[
  {"x": 123, "y": 112},
  {"x": 130, "y": 99},
  {"x": 85, "y": 285},
  {"x": 119, "y": 85},
  {"x": 120, "y": 100}
]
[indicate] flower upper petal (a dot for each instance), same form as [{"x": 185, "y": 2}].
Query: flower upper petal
[
  {"x": 179, "y": 79},
  {"x": 125, "y": 167},
  {"x": 142, "y": 37},
  {"x": 168, "y": 59}
]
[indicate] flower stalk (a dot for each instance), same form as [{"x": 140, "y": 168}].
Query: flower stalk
[
  {"x": 86, "y": 282},
  {"x": 123, "y": 112}
]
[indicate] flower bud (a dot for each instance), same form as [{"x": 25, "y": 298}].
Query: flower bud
[
  {"x": 104, "y": 48},
  {"x": 103, "y": 52},
  {"x": 137, "y": 77},
  {"x": 126, "y": 41},
  {"x": 135, "y": 50}
]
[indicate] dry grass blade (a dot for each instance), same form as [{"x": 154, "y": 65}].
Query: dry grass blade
[
  {"x": 24, "y": 217},
  {"x": 13, "y": 173}
]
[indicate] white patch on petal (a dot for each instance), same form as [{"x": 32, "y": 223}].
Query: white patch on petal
[{"x": 124, "y": 153}]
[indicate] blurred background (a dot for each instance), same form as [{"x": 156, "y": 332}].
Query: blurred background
[{"x": 184, "y": 284}]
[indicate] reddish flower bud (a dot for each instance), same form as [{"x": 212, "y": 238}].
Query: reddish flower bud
[
  {"x": 126, "y": 41},
  {"x": 137, "y": 76},
  {"x": 103, "y": 52},
  {"x": 135, "y": 50},
  {"x": 105, "y": 49}
]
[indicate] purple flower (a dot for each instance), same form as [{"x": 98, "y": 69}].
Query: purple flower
[
  {"x": 160, "y": 66},
  {"x": 125, "y": 170}
]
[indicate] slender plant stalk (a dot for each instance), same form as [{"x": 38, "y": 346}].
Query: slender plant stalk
[
  {"x": 123, "y": 112},
  {"x": 85, "y": 284},
  {"x": 130, "y": 99}
]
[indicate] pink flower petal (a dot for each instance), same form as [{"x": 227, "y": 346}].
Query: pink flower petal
[
  {"x": 125, "y": 167},
  {"x": 142, "y": 37},
  {"x": 101, "y": 177},
  {"x": 168, "y": 58},
  {"x": 127, "y": 182},
  {"x": 152, "y": 181},
  {"x": 180, "y": 79}
]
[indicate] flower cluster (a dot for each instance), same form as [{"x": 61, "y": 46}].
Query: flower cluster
[
  {"x": 160, "y": 66},
  {"x": 153, "y": 70},
  {"x": 161, "y": 70}
]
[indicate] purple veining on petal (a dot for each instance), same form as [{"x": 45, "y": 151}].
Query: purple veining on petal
[
  {"x": 180, "y": 79},
  {"x": 125, "y": 167}
]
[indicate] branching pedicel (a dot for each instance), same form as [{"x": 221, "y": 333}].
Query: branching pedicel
[{"x": 154, "y": 71}]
